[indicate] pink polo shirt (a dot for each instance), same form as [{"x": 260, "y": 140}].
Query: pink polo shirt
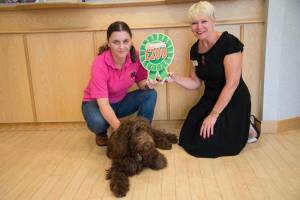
[{"x": 107, "y": 81}]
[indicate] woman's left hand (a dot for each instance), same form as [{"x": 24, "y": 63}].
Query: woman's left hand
[
  {"x": 207, "y": 128},
  {"x": 150, "y": 84}
]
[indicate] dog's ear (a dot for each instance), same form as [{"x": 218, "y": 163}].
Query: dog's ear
[{"x": 118, "y": 142}]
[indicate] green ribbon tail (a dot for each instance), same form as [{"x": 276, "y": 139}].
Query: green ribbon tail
[
  {"x": 163, "y": 74},
  {"x": 152, "y": 75}
]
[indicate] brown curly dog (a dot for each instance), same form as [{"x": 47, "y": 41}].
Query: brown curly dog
[{"x": 131, "y": 148}]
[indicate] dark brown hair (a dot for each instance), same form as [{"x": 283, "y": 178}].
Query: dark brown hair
[{"x": 118, "y": 26}]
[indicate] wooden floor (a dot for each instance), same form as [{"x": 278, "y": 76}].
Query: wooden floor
[{"x": 64, "y": 163}]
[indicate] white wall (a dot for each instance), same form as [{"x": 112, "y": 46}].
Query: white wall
[{"x": 281, "y": 98}]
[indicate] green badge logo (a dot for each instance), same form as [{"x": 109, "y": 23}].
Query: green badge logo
[{"x": 156, "y": 54}]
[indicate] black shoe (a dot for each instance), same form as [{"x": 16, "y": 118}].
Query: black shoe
[
  {"x": 254, "y": 123},
  {"x": 101, "y": 140}
]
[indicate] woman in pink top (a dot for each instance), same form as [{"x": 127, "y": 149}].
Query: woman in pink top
[{"x": 114, "y": 71}]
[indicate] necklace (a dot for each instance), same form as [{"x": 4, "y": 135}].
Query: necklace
[
  {"x": 202, "y": 59},
  {"x": 205, "y": 49}
]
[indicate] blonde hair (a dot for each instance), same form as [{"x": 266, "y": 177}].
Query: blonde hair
[{"x": 201, "y": 8}]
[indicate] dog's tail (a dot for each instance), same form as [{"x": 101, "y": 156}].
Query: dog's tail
[{"x": 119, "y": 182}]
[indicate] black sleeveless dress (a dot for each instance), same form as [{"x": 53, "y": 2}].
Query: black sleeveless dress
[{"x": 232, "y": 126}]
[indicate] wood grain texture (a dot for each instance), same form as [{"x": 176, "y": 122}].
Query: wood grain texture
[
  {"x": 136, "y": 16},
  {"x": 62, "y": 44},
  {"x": 60, "y": 65},
  {"x": 15, "y": 96},
  {"x": 65, "y": 163},
  {"x": 253, "y": 65}
]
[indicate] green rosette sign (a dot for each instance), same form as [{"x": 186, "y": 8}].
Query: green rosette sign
[{"x": 156, "y": 54}]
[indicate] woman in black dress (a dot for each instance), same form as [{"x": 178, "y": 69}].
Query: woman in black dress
[{"x": 219, "y": 124}]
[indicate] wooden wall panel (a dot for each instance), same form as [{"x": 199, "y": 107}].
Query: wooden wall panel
[
  {"x": 181, "y": 99},
  {"x": 239, "y": 9},
  {"x": 253, "y": 64},
  {"x": 62, "y": 44},
  {"x": 232, "y": 29},
  {"x": 60, "y": 64},
  {"x": 136, "y": 16},
  {"x": 15, "y": 98},
  {"x": 99, "y": 40}
]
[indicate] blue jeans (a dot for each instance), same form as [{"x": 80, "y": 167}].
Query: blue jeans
[{"x": 142, "y": 101}]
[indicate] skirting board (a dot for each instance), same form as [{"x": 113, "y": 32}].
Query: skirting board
[
  {"x": 280, "y": 126},
  {"x": 266, "y": 126}
]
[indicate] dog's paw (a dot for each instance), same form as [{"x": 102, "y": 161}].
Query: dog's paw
[
  {"x": 172, "y": 138},
  {"x": 119, "y": 185},
  {"x": 119, "y": 193},
  {"x": 159, "y": 163},
  {"x": 119, "y": 190},
  {"x": 165, "y": 145}
]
